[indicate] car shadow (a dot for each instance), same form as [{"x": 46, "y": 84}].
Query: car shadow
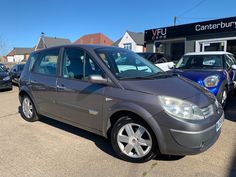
[
  {"x": 5, "y": 90},
  {"x": 230, "y": 111},
  {"x": 232, "y": 170},
  {"x": 163, "y": 157},
  {"x": 102, "y": 143}
]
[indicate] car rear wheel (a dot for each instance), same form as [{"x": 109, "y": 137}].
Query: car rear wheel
[
  {"x": 28, "y": 110},
  {"x": 133, "y": 140}
]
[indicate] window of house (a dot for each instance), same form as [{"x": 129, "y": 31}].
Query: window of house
[
  {"x": 128, "y": 46},
  {"x": 47, "y": 63}
]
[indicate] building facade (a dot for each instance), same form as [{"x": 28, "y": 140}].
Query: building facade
[
  {"x": 131, "y": 40},
  {"x": 45, "y": 42},
  {"x": 174, "y": 41},
  {"x": 17, "y": 55}
]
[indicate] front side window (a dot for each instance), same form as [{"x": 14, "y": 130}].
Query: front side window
[
  {"x": 78, "y": 65},
  {"x": 47, "y": 63},
  {"x": 200, "y": 62},
  {"x": 125, "y": 64}
]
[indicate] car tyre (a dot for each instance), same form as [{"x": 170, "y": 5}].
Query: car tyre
[
  {"x": 133, "y": 140},
  {"x": 223, "y": 97},
  {"x": 28, "y": 111}
]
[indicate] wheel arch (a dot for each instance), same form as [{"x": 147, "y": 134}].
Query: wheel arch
[
  {"x": 141, "y": 114},
  {"x": 25, "y": 91}
]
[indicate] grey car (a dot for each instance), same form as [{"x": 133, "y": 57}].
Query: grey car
[{"x": 117, "y": 94}]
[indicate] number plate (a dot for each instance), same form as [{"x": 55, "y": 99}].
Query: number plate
[{"x": 219, "y": 123}]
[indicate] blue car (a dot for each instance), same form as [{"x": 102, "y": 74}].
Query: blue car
[{"x": 212, "y": 70}]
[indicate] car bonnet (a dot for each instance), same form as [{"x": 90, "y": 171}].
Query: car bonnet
[{"x": 175, "y": 86}]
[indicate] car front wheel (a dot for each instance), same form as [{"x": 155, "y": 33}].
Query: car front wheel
[{"x": 133, "y": 140}]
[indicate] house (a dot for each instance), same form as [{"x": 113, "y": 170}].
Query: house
[
  {"x": 18, "y": 54},
  {"x": 131, "y": 40},
  {"x": 3, "y": 59},
  {"x": 45, "y": 42},
  {"x": 97, "y": 38}
]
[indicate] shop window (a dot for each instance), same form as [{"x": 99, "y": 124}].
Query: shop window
[
  {"x": 217, "y": 46},
  {"x": 231, "y": 46}
]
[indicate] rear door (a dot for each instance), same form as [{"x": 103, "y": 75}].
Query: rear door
[
  {"x": 43, "y": 81},
  {"x": 79, "y": 101}
]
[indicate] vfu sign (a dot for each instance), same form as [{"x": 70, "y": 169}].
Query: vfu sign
[
  {"x": 159, "y": 33},
  {"x": 207, "y": 27}
]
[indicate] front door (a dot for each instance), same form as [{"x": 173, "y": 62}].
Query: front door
[{"x": 78, "y": 100}]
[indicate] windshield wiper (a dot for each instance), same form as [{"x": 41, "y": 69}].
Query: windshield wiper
[{"x": 161, "y": 75}]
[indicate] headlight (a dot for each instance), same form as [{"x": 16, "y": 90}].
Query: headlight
[
  {"x": 211, "y": 81},
  {"x": 6, "y": 78},
  {"x": 181, "y": 109}
]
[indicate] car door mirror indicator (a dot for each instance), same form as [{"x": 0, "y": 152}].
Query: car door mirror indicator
[{"x": 98, "y": 79}]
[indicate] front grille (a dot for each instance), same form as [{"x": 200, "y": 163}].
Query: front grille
[{"x": 208, "y": 111}]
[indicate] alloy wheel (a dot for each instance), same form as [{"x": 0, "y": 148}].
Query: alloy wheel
[
  {"x": 27, "y": 107},
  {"x": 134, "y": 140}
]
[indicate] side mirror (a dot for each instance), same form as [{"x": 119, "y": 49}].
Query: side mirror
[
  {"x": 98, "y": 79},
  {"x": 233, "y": 67}
]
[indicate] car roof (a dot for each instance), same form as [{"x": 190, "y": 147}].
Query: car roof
[
  {"x": 83, "y": 46},
  {"x": 209, "y": 53}
]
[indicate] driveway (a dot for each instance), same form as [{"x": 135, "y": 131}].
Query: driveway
[{"x": 53, "y": 149}]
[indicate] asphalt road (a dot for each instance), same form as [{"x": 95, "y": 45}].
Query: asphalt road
[{"x": 48, "y": 148}]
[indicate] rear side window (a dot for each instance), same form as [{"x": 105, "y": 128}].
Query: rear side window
[
  {"x": 32, "y": 59},
  {"x": 47, "y": 62}
]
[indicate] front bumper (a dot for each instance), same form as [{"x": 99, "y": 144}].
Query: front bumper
[
  {"x": 5, "y": 85},
  {"x": 187, "y": 138}
]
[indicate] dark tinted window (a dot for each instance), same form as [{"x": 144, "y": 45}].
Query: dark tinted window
[
  {"x": 47, "y": 62},
  {"x": 78, "y": 65},
  {"x": 20, "y": 67}
]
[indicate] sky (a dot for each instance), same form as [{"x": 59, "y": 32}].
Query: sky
[{"x": 22, "y": 21}]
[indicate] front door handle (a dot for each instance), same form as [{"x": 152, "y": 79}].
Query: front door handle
[{"x": 33, "y": 82}]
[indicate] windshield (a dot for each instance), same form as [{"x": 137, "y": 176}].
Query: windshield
[
  {"x": 125, "y": 64},
  {"x": 200, "y": 62},
  {"x": 1, "y": 69}
]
